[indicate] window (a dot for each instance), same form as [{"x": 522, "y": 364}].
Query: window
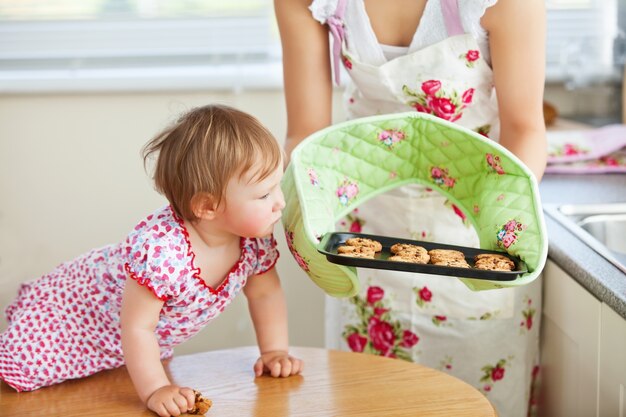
[
  {"x": 141, "y": 41},
  {"x": 152, "y": 44},
  {"x": 580, "y": 40}
]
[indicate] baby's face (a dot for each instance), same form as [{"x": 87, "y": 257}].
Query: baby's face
[{"x": 253, "y": 207}]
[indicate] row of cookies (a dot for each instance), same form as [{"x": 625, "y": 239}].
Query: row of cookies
[{"x": 403, "y": 252}]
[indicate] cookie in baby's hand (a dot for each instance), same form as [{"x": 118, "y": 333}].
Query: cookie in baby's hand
[{"x": 202, "y": 404}]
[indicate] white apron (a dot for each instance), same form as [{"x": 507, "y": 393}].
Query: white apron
[{"x": 489, "y": 339}]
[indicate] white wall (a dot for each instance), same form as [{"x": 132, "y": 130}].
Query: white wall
[{"x": 71, "y": 179}]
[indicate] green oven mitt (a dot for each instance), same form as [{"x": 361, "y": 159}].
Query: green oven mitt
[{"x": 336, "y": 169}]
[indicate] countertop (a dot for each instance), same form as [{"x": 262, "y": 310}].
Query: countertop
[{"x": 587, "y": 267}]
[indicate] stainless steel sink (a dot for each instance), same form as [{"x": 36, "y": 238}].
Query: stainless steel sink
[{"x": 601, "y": 226}]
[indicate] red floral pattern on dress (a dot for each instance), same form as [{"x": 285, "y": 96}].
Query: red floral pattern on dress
[
  {"x": 458, "y": 212},
  {"x": 356, "y": 342},
  {"x": 446, "y": 363},
  {"x": 470, "y": 57},
  {"x": 433, "y": 99},
  {"x": 424, "y": 296},
  {"x": 352, "y": 222},
  {"x": 346, "y": 62},
  {"x": 528, "y": 314},
  {"x": 493, "y": 374},
  {"x": 66, "y": 324},
  {"x": 440, "y": 320},
  {"x": 377, "y": 332},
  {"x": 483, "y": 130}
]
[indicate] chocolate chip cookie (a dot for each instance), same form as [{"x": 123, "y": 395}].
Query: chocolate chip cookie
[
  {"x": 442, "y": 255},
  {"x": 202, "y": 404},
  {"x": 363, "y": 242},
  {"x": 493, "y": 262},
  {"x": 404, "y": 252},
  {"x": 356, "y": 251},
  {"x": 456, "y": 263}
]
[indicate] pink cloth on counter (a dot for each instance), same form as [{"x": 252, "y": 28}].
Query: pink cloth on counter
[{"x": 594, "y": 151}]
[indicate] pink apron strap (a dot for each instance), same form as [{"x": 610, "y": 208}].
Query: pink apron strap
[
  {"x": 451, "y": 17},
  {"x": 335, "y": 24}
]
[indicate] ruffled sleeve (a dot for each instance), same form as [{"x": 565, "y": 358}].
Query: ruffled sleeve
[
  {"x": 267, "y": 254},
  {"x": 488, "y": 3},
  {"x": 471, "y": 13},
  {"x": 158, "y": 264},
  {"x": 323, "y": 9}
]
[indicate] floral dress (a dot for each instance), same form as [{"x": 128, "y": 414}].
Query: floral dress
[
  {"x": 490, "y": 339},
  {"x": 66, "y": 324}
]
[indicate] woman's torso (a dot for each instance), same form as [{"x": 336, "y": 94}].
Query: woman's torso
[
  {"x": 441, "y": 74},
  {"x": 365, "y": 34}
]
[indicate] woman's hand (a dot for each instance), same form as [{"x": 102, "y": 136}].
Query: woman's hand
[
  {"x": 278, "y": 364},
  {"x": 171, "y": 400}
]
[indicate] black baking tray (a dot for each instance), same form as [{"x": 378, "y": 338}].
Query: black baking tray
[{"x": 331, "y": 241}]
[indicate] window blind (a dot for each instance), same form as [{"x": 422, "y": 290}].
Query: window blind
[{"x": 78, "y": 34}]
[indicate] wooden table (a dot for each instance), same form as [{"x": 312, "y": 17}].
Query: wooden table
[{"x": 333, "y": 384}]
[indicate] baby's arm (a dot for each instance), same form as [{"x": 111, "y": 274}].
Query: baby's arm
[
  {"x": 517, "y": 31},
  {"x": 268, "y": 310},
  {"x": 139, "y": 317}
]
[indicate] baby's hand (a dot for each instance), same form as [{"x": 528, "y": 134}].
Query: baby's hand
[
  {"x": 171, "y": 400},
  {"x": 278, "y": 363}
]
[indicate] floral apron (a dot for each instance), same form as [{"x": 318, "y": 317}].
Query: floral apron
[{"x": 489, "y": 339}]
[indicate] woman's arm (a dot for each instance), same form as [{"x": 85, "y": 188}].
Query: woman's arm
[
  {"x": 268, "y": 310},
  {"x": 306, "y": 70},
  {"x": 517, "y": 31},
  {"x": 139, "y": 317}
]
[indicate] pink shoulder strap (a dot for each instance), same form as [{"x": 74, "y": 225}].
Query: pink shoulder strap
[
  {"x": 336, "y": 27},
  {"x": 449, "y": 8},
  {"x": 452, "y": 17}
]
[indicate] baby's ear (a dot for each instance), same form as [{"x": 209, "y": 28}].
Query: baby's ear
[{"x": 204, "y": 206}]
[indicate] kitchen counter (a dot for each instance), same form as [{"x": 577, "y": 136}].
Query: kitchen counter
[{"x": 587, "y": 267}]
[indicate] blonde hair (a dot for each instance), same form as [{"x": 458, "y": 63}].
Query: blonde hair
[{"x": 204, "y": 149}]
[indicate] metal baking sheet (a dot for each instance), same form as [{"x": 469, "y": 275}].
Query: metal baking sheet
[{"x": 331, "y": 241}]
